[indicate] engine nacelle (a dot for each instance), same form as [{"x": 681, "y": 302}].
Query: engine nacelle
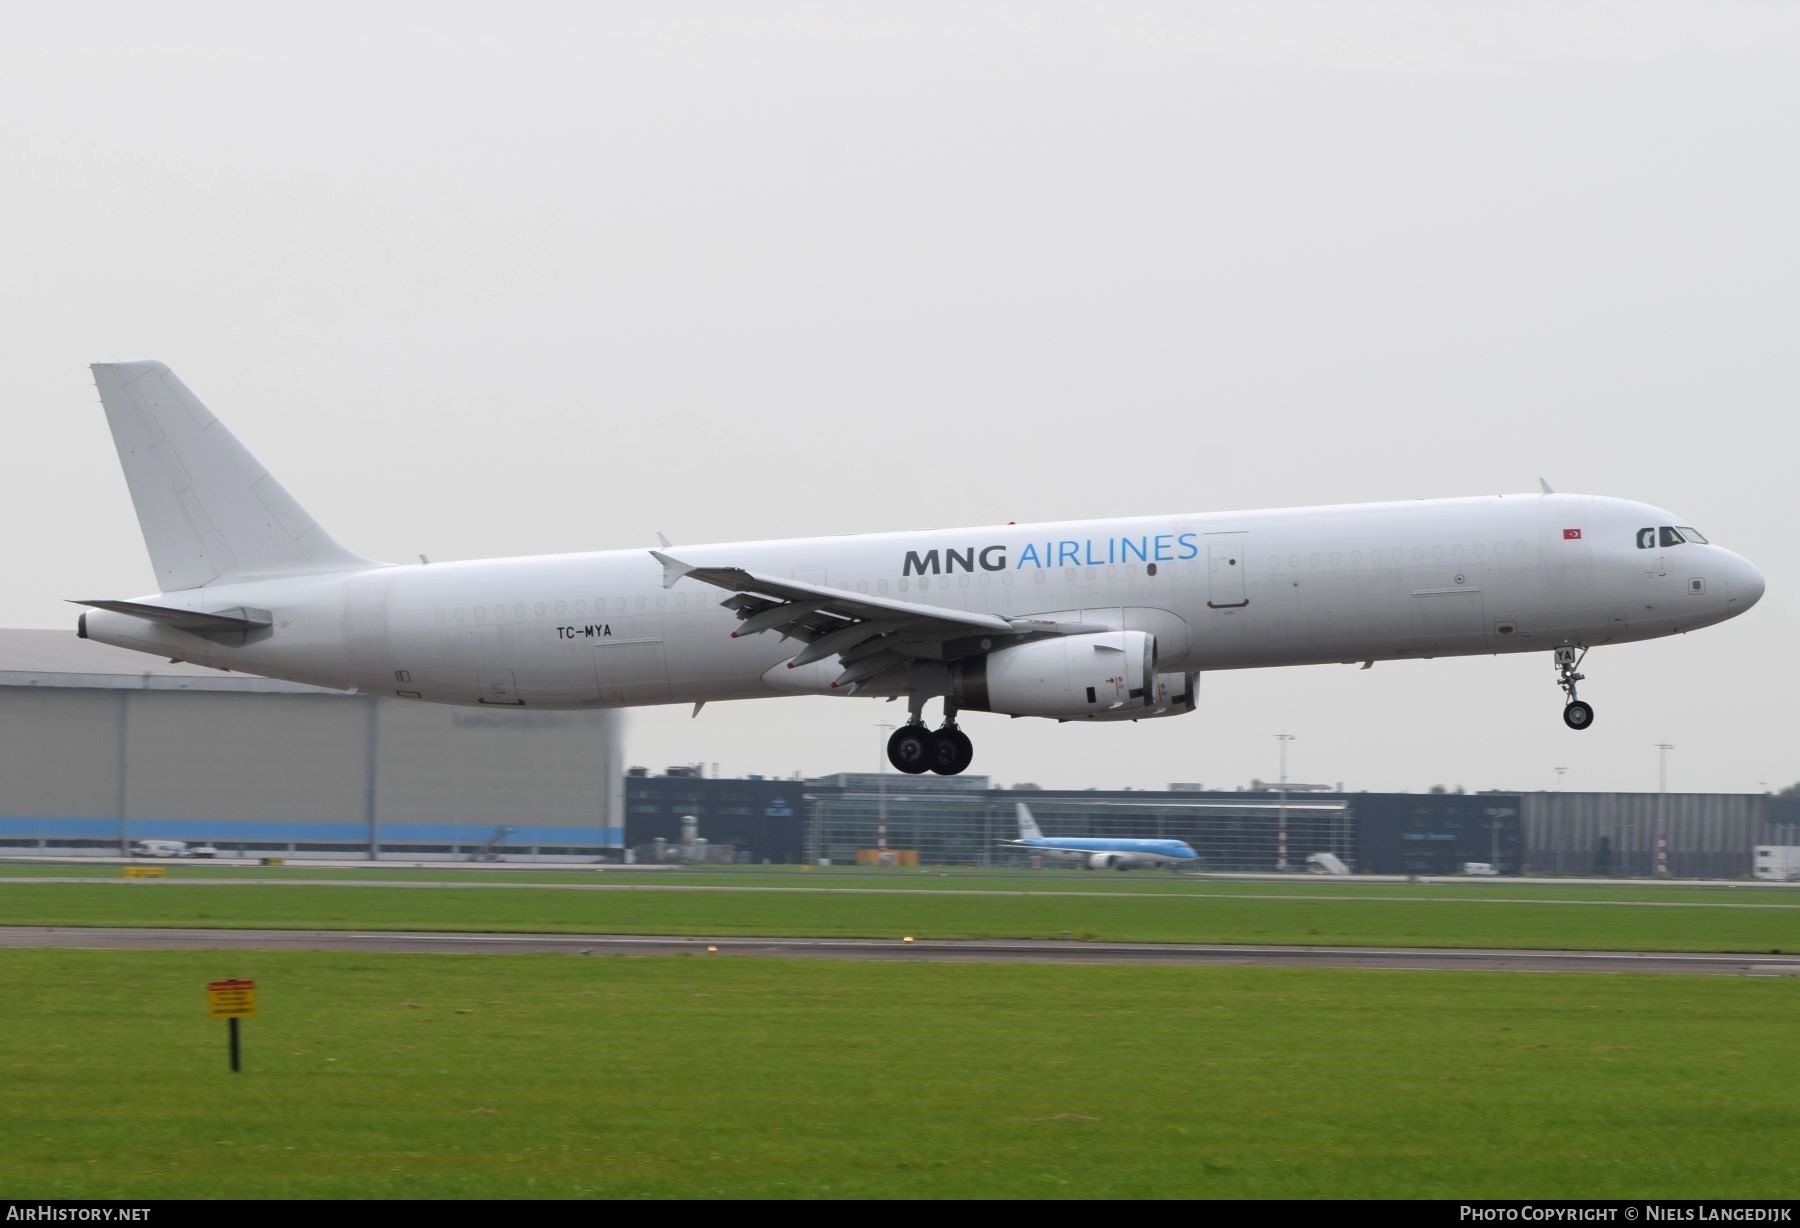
[
  {"x": 1107, "y": 861},
  {"x": 1068, "y": 678},
  {"x": 1172, "y": 695}
]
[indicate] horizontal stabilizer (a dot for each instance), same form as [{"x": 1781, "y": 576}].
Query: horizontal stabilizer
[{"x": 238, "y": 619}]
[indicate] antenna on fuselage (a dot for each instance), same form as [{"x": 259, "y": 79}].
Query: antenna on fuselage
[{"x": 1545, "y": 487}]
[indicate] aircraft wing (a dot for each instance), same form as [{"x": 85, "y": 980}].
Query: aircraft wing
[{"x": 870, "y": 635}]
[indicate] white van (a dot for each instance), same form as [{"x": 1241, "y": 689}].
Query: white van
[{"x": 172, "y": 848}]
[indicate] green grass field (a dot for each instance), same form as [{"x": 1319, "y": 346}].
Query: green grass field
[
  {"x": 995, "y": 879},
  {"x": 1141, "y": 910},
  {"x": 425, "y": 1076}
]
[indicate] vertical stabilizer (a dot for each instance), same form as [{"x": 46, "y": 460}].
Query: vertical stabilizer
[
  {"x": 208, "y": 510},
  {"x": 1028, "y": 828}
]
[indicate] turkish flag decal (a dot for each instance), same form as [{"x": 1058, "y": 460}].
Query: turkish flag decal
[{"x": 1571, "y": 535}]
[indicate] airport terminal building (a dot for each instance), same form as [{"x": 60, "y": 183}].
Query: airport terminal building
[
  {"x": 966, "y": 820},
  {"x": 100, "y": 747}
]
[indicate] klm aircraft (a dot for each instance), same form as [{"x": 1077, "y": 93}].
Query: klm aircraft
[
  {"x": 1098, "y": 852},
  {"x": 1095, "y": 620}
]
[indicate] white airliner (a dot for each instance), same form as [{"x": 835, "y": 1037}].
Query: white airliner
[
  {"x": 1080, "y": 620},
  {"x": 1100, "y": 852}
]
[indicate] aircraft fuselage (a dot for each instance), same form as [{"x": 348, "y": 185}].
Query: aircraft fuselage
[{"x": 1236, "y": 590}]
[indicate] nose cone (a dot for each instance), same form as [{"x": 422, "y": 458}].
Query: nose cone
[{"x": 1743, "y": 584}]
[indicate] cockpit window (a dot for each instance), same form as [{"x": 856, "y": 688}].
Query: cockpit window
[{"x": 1668, "y": 535}]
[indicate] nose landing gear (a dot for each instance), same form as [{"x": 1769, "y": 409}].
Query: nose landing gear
[{"x": 1576, "y": 714}]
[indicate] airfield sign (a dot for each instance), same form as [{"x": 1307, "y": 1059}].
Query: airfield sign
[{"x": 231, "y": 999}]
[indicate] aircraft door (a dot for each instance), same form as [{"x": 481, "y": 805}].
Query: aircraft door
[
  {"x": 1225, "y": 567},
  {"x": 632, "y": 669},
  {"x": 496, "y": 686},
  {"x": 1448, "y": 621}
]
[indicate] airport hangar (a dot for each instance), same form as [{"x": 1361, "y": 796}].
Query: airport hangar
[{"x": 100, "y": 747}]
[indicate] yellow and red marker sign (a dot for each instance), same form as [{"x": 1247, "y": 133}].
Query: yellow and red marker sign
[{"x": 231, "y": 999}]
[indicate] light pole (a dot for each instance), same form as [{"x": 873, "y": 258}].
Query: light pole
[
  {"x": 1662, "y": 808},
  {"x": 1559, "y": 778},
  {"x": 881, "y": 795},
  {"x": 1281, "y": 858}
]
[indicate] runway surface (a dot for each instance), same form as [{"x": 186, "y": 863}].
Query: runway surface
[
  {"x": 1418, "y": 958},
  {"x": 1330, "y": 897}
]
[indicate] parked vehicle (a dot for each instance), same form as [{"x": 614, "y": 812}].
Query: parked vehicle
[{"x": 172, "y": 848}]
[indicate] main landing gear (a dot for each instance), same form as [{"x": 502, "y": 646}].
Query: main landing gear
[
  {"x": 1576, "y": 714},
  {"x": 914, "y": 749}
]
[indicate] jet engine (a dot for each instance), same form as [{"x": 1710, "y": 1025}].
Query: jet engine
[
  {"x": 1107, "y": 861},
  {"x": 1171, "y": 695},
  {"x": 1069, "y": 677}
]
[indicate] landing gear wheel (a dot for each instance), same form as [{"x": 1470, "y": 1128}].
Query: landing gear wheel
[
  {"x": 911, "y": 749},
  {"x": 951, "y": 751},
  {"x": 1576, "y": 714}
]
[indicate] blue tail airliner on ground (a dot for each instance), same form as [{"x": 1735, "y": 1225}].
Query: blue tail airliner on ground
[{"x": 1100, "y": 852}]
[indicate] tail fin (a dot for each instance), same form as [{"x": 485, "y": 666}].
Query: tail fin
[
  {"x": 1028, "y": 828},
  {"x": 209, "y": 511}
]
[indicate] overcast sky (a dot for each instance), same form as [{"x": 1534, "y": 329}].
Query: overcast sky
[{"x": 523, "y": 278}]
